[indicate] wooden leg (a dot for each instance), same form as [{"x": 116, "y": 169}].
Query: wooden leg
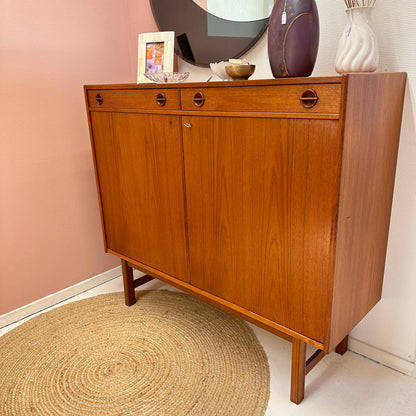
[
  {"x": 297, "y": 389},
  {"x": 130, "y": 283},
  {"x": 301, "y": 366},
  {"x": 128, "y": 280},
  {"x": 342, "y": 347}
]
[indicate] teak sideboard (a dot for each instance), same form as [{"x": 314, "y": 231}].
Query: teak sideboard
[{"x": 270, "y": 199}]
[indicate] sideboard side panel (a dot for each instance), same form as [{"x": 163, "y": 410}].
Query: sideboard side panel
[{"x": 371, "y": 137}]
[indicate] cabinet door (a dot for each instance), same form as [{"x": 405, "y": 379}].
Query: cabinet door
[
  {"x": 261, "y": 198},
  {"x": 139, "y": 160}
]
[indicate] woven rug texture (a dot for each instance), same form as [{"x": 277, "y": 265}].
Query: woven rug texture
[{"x": 170, "y": 354}]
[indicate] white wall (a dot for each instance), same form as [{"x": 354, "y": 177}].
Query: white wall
[{"x": 388, "y": 332}]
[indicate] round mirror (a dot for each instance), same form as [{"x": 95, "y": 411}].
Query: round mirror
[
  {"x": 212, "y": 30},
  {"x": 237, "y": 10}
]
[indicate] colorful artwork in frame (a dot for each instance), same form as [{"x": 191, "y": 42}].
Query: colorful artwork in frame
[
  {"x": 154, "y": 57},
  {"x": 155, "y": 54}
]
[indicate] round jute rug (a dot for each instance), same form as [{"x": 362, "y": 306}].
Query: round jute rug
[{"x": 169, "y": 355}]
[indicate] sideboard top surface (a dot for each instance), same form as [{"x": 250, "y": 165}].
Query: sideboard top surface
[
  {"x": 337, "y": 79},
  {"x": 248, "y": 83}
]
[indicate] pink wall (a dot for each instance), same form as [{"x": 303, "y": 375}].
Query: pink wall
[{"x": 50, "y": 235}]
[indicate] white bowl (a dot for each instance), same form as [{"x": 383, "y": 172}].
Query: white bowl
[{"x": 218, "y": 68}]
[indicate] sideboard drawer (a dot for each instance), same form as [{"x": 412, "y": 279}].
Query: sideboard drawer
[
  {"x": 315, "y": 98},
  {"x": 143, "y": 99}
]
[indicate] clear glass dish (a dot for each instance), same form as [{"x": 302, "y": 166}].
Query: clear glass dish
[{"x": 163, "y": 77}]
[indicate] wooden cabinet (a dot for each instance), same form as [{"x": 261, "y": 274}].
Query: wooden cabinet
[{"x": 270, "y": 199}]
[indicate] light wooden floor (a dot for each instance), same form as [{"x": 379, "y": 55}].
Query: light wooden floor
[{"x": 351, "y": 385}]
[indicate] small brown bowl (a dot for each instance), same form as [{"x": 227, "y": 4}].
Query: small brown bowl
[{"x": 242, "y": 71}]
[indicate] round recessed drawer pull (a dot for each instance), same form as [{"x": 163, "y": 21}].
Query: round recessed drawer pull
[
  {"x": 199, "y": 99},
  {"x": 99, "y": 99},
  {"x": 309, "y": 98},
  {"x": 161, "y": 99}
]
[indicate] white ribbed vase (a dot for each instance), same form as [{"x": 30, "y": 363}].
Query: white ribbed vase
[{"x": 357, "y": 48}]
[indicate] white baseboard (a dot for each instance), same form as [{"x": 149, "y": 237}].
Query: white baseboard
[
  {"x": 382, "y": 357},
  {"x": 38, "y": 305}
]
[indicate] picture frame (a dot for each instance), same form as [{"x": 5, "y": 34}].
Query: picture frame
[{"x": 155, "y": 54}]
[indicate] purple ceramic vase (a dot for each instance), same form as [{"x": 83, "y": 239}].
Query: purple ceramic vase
[{"x": 293, "y": 38}]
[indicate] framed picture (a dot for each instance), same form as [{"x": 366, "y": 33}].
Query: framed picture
[{"x": 155, "y": 54}]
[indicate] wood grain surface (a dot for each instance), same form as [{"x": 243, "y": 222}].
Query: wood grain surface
[
  {"x": 140, "y": 173},
  {"x": 372, "y": 121},
  {"x": 261, "y": 197}
]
